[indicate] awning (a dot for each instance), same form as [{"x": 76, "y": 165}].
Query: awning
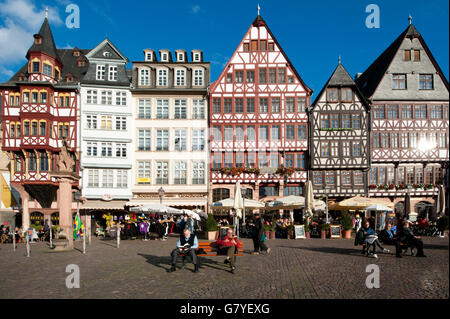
[
  {"x": 172, "y": 202},
  {"x": 103, "y": 205}
]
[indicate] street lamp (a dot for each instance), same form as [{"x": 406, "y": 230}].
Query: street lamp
[{"x": 161, "y": 193}]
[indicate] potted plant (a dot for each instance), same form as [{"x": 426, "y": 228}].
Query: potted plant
[
  {"x": 324, "y": 229},
  {"x": 347, "y": 224},
  {"x": 307, "y": 230},
  {"x": 267, "y": 230},
  {"x": 212, "y": 230},
  {"x": 290, "y": 231}
]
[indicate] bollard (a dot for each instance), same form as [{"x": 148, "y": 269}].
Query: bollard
[
  {"x": 118, "y": 235},
  {"x": 51, "y": 235},
  {"x": 14, "y": 236},
  {"x": 84, "y": 241},
  {"x": 88, "y": 232},
  {"x": 28, "y": 245}
]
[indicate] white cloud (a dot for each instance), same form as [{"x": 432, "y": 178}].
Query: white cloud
[
  {"x": 21, "y": 19},
  {"x": 195, "y": 9}
]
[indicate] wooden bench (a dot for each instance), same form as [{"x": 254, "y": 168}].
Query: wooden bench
[
  {"x": 210, "y": 249},
  {"x": 403, "y": 246}
]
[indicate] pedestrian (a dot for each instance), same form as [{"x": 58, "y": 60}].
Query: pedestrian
[{"x": 258, "y": 236}]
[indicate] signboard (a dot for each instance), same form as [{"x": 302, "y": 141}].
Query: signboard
[
  {"x": 335, "y": 231},
  {"x": 143, "y": 180},
  {"x": 299, "y": 231},
  {"x": 223, "y": 232}
]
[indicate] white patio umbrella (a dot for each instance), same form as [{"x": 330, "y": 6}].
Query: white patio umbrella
[
  {"x": 309, "y": 200},
  {"x": 191, "y": 214},
  {"x": 200, "y": 213},
  {"x": 229, "y": 203},
  {"x": 238, "y": 204},
  {"x": 288, "y": 202},
  {"x": 378, "y": 208},
  {"x": 157, "y": 209}
]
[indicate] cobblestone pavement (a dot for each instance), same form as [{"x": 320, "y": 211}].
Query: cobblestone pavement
[{"x": 309, "y": 268}]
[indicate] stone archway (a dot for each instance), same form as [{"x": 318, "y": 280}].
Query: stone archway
[
  {"x": 37, "y": 218},
  {"x": 400, "y": 208},
  {"x": 423, "y": 209}
]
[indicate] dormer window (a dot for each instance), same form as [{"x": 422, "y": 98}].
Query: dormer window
[
  {"x": 112, "y": 73},
  {"x": 81, "y": 63},
  {"x": 37, "y": 39},
  {"x": 148, "y": 56},
  {"x": 180, "y": 77},
  {"x": 196, "y": 57},
  {"x": 180, "y": 57},
  {"x": 56, "y": 74},
  {"x": 164, "y": 57},
  {"x": 76, "y": 53},
  {"x": 69, "y": 78},
  {"x": 100, "y": 75},
  {"x": 36, "y": 67}
]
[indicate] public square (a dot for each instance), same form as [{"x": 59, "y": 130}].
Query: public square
[{"x": 300, "y": 269}]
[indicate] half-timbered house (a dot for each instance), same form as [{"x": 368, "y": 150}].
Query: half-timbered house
[
  {"x": 339, "y": 138},
  {"x": 410, "y": 122},
  {"x": 258, "y": 121}
]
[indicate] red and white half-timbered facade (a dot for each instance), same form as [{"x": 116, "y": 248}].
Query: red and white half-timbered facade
[{"x": 258, "y": 121}]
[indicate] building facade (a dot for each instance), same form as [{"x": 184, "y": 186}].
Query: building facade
[
  {"x": 106, "y": 128},
  {"x": 258, "y": 121},
  {"x": 340, "y": 138},
  {"x": 409, "y": 98},
  {"x": 40, "y": 108},
  {"x": 169, "y": 98}
]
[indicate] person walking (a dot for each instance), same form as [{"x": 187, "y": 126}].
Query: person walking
[{"x": 258, "y": 241}]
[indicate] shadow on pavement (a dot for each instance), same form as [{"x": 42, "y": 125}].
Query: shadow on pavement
[
  {"x": 432, "y": 246},
  {"x": 332, "y": 250},
  {"x": 163, "y": 262}
]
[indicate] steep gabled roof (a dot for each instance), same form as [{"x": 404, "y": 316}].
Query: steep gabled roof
[
  {"x": 341, "y": 78},
  {"x": 47, "y": 45},
  {"x": 371, "y": 78}
]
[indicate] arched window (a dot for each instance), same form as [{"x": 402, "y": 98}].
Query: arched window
[{"x": 220, "y": 193}]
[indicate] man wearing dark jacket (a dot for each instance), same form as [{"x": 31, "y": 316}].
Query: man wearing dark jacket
[
  {"x": 186, "y": 245},
  {"x": 406, "y": 235},
  {"x": 258, "y": 243}
]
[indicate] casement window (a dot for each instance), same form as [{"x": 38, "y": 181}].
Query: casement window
[
  {"x": 162, "y": 109},
  {"x": 91, "y": 97},
  {"x": 198, "y": 77},
  {"x": 379, "y": 112},
  {"x": 401, "y": 175},
  {"x": 121, "y": 123},
  {"x": 324, "y": 149},
  {"x": 121, "y": 150},
  {"x": 356, "y": 121},
  {"x": 275, "y": 132},
  {"x": 251, "y": 134},
  {"x": 271, "y": 46},
  {"x": 162, "y": 140},
  {"x": 291, "y": 79},
  {"x": 399, "y": 82},
  {"x": 394, "y": 140},
  {"x": 93, "y": 178},
  {"x": 317, "y": 178},
  {"x": 180, "y": 173},
  {"x": 121, "y": 98},
  {"x": 228, "y": 133},
  {"x": 34, "y": 97},
  {"x": 442, "y": 140},
  {"x": 198, "y": 109},
  {"x": 410, "y": 175},
  {"x": 263, "y": 45},
  {"x": 346, "y": 149},
  {"x": 373, "y": 176},
  {"x": 101, "y": 69},
  {"x": 143, "y": 172},
  {"x": 275, "y": 105},
  {"x": 404, "y": 140},
  {"x": 196, "y": 57},
  {"x": 416, "y": 55},
  {"x": 429, "y": 175},
  {"x": 26, "y": 97},
  {"x": 272, "y": 76},
  {"x": 91, "y": 122},
  {"x": 106, "y": 150},
  {"x": 47, "y": 69},
  {"x": 290, "y": 132},
  {"x": 162, "y": 77},
  {"x": 407, "y": 55},
  {"x": 263, "y": 132},
  {"x": 144, "y": 111},
  {"x": 246, "y": 47},
  {"x": 12, "y": 131},
  {"x": 324, "y": 121},
  {"x": 290, "y": 105},
  {"x": 180, "y": 140},
  {"x": 407, "y": 112},
  {"x": 356, "y": 149},
  {"x": 164, "y": 57},
  {"x": 269, "y": 191},
  {"x": 198, "y": 140},
  {"x": 217, "y": 106},
  {"x": 122, "y": 178},
  {"x": 358, "y": 178},
  {"x": 436, "y": 112},
  {"x": 239, "y": 133},
  {"x": 180, "y": 109},
  {"x": 346, "y": 177},
  {"x": 144, "y": 77},
  {"x": 301, "y": 132},
  {"x": 43, "y": 160},
  {"x": 419, "y": 175},
  {"x": 250, "y": 105},
  {"x": 289, "y": 160},
  {"x": 227, "y": 106},
  {"x": 274, "y": 162},
  {"x": 263, "y": 160},
  {"x": 334, "y": 120},
  {"x": 301, "y": 104},
  {"x": 346, "y": 121},
  {"x": 92, "y": 149},
  {"x": 36, "y": 67},
  {"x": 392, "y": 111},
  {"x": 180, "y": 57},
  {"x": 330, "y": 178},
  {"x": 413, "y": 140},
  {"x": 19, "y": 131},
  {"x": 144, "y": 140},
  {"x": 346, "y": 95},
  {"x": 239, "y": 105},
  {"x": 301, "y": 161},
  {"x": 180, "y": 77},
  {"x": 332, "y": 95},
  {"x": 34, "y": 130},
  {"x": 148, "y": 56},
  {"x": 281, "y": 75},
  {"x": 228, "y": 159},
  {"x": 420, "y": 112},
  {"x": 43, "y": 97},
  {"x": 376, "y": 140},
  {"x": 384, "y": 140},
  {"x": 390, "y": 175},
  {"x": 106, "y": 97},
  {"x": 32, "y": 162},
  {"x": 42, "y": 128},
  {"x": 251, "y": 160},
  {"x": 426, "y": 82},
  {"x": 263, "y": 105},
  {"x": 239, "y": 76},
  {"x": 217, "y": 134},
  {"x": 262, "y": 76},
  {"x": 108, "y": 178},
  {"x": 217, "y": 160},
  {"x": 229, "y": 78},
  {"x": 112, "y": 74},
  {"x": 254, "y": 45},
  {"x": 382, "y": 175},
  {"x": 198, "y": 173},
  {"x": 250, "y": 76},
  {"x": 334, "y": 149}
]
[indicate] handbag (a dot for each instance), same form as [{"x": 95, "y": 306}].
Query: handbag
[{"x": 263, "y": 238}]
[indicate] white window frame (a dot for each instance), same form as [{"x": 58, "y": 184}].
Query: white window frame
[
  {"x": 101, "y": 71},
  {"x": 112, "y": 73},
  {"x": 91, "y": 97},
  {"x": 198, "y": 140},
  {"x": 144, "y": 109},
  {"x": 180, "y": 77},
  {"x": 144, "y": 77},
  {"x": 121, "y": 98},
  {"x": 198, "y": 77},
  {"x": 144, "y": 135},
  {"x": 198, "y": 109},
  {"x": 162, "y": 77},
  {"x": 144, "y": 170}
]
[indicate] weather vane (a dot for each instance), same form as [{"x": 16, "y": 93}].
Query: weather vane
[
  {"x": 339, "y": 59},
  {"x": 410, "y": 19},
  {"x": 259, "y": 9},
  {"x": 46, "y": 13}
]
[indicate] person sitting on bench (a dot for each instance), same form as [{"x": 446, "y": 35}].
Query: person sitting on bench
[
  {"x": 371, "y": 240},
  {"x": 228, "y": 246},
  {"x": 186, "y": 245},
  {"x": 388, "y": 237},
  {"x": 405, "y": 235}
]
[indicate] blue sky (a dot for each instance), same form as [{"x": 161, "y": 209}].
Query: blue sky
[{"x": 312, "y": 33}]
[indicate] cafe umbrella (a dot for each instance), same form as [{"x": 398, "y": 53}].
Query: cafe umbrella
[
  {"x": 309, "y": 200},
  {"x": 238, "y": 205},
  {"x": 407, "y": 206},
  {"x": 440, "y": 201},
  {"x": 157, "y": 209},
  {"x": 379, "y": 209}
]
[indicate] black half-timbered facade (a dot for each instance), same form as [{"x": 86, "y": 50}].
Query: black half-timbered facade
[
  {"x": 409, "y": 98},
  {"x": 339, "y": 138}
]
